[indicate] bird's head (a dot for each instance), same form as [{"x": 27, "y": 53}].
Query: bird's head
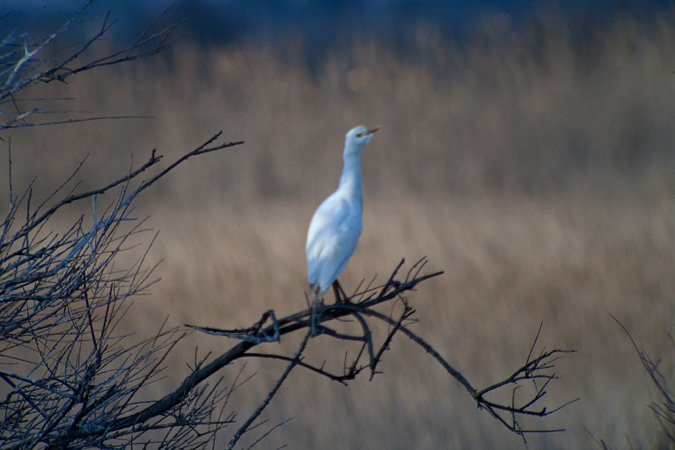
[{"x": 357, "y": 138}]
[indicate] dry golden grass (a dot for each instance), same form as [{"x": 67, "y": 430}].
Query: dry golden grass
[{"x": 539, "y": 178}]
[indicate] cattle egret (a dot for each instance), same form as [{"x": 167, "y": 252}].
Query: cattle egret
[{"x": 336, "y": 225}]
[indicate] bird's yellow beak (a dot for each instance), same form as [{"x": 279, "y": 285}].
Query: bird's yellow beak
[{"x": 368, "y": 132}]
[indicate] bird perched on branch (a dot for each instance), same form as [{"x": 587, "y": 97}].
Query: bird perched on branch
[{"x": 336, "y": 225}]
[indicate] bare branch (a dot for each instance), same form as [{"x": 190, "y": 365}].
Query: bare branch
[
  {"x": 61, "y": 298},
  {"x": 665, "y": 410},
  {"x": 534, "y": 369},
  {"x": 22, "y": 65},
  {"x": 294, "y": 362}
]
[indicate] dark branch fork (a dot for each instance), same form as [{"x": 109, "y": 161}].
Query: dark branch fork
[{"x": 536, "y": 368}]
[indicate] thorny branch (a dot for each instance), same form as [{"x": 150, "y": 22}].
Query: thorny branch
[
  {"x": 66, "y": 375},
  {"x": 536, "y": 371}
]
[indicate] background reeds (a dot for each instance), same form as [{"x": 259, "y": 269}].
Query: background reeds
[{"x": 538, "y": 173}]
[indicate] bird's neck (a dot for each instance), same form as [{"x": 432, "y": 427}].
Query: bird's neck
[{"x": 350, "y": 180}]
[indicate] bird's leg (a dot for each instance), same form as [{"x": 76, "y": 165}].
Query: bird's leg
[
  {"x": 340, "y": 296},
  {"x": 336, "y": 292},
  {"x": 316, "y": 303}
]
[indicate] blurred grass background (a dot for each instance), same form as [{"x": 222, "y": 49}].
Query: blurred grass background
[{"x": 536, "y": 172}]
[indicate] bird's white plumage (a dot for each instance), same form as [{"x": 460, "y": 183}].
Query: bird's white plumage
[{"x": 336, "y": 226}]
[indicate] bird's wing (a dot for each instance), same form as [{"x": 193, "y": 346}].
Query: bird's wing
[
  {"x": 331, "y": 240},
  {"x": 329, "y": 217}
]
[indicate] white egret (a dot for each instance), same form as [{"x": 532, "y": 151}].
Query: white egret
[{"x": 336, "y": 225}]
